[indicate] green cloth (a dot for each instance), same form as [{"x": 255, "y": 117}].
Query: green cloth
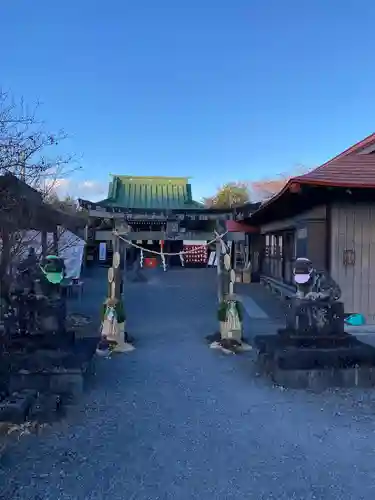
[{"x": 53, "y": 275}]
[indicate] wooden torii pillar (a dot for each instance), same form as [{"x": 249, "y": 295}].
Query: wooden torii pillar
[
  {"x": 222, "y": 273},
  {"x": 115, "y": 273}
]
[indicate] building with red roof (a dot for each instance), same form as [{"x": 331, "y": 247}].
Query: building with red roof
[{"x": 327, "y": 215}]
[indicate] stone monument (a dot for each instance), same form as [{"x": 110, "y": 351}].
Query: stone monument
[{"x": 315, "y": 310}]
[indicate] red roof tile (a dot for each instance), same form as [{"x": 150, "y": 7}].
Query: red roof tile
[
  {"x": 239, "y": 227},
  {"x": 349, "y": 169}
]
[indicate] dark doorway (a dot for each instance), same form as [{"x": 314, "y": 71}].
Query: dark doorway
[{"x": 288, "y": 255}]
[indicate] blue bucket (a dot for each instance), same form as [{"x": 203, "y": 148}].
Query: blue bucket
[{"x": 355, "y": 320}]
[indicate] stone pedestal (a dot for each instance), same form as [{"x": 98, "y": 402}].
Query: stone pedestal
[
  {"x": 316, "y": 362},
  {"x": 315, "y": 318}
]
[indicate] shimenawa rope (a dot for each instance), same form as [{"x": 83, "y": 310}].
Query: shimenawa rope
[{"x": 218, "y": 237}]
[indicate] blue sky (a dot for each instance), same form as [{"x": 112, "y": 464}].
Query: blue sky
[{"x": 212, "y": 89}]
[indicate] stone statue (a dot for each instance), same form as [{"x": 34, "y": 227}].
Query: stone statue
[
  {"x": 23, "y": 293},
  {"x": 50, "y": 278},
  {"x": 315, "y": 309},
  {"x": 313, "y": 284}
]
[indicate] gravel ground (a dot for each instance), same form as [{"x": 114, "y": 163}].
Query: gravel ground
[{"x": 176, "y": 420}]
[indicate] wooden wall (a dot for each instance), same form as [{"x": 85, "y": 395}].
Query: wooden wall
[
  {"x": 317, "y": 243},
  {"x": 317, "y": 213},
  {"x": 304, "y": 235},
  {"x": 353, "y": 256}
]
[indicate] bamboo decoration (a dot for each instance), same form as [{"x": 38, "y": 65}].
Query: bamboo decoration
[
  {"x": 113, "y": 328},
  {"x": 230, "y": 317}
]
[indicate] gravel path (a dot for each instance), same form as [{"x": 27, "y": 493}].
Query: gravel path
[{"x": 175, "y": 420}]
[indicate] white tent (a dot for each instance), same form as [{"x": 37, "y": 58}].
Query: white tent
[{"x": 70, "y": 248}]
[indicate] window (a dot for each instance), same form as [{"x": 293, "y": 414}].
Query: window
[
  {"x": 267, "y": 245},
  {"x": 280, "y": 246}
]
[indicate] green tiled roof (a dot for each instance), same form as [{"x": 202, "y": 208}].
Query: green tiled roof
[{"x": 159, "y": 193}]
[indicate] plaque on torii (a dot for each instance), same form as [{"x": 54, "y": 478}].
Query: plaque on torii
[{"x": 122, "y": 227}]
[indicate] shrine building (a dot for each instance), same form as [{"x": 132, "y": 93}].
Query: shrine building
[{"x": 152, "y": 211}]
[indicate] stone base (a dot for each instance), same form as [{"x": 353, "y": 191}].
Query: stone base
[
  {"x": 271, "y": 343},
  {"x": 28, "y": 405},
  {"x": 321, "y": 379},
  {"x": 316, "y": 363},
  {"x": 45, "y": 408},
  {"x": 67, "y": 383},
  {"x": 14, "y": 408},
  {"x": 329, "y": 317},
  {"x": 56, "y": 372}
]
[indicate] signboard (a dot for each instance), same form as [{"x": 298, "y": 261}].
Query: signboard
[
  {"x": 102, "y": 251},
  {"x": 195, "y": 242},
  {"x": 172, "y": 227},
  {"x": 170, "y": 217},
  {"x": 175, "y": 236}
]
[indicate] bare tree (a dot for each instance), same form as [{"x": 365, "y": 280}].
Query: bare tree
[
  {"x": 27, "y": 153},
  {"x": 25, "y": 147},
  {"x": 266, "y": 188}
]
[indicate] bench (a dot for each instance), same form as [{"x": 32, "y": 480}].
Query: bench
[{"x": 278, "y": 288}]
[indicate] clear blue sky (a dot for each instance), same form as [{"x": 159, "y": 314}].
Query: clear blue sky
[{"x": 212, "y": 89}]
